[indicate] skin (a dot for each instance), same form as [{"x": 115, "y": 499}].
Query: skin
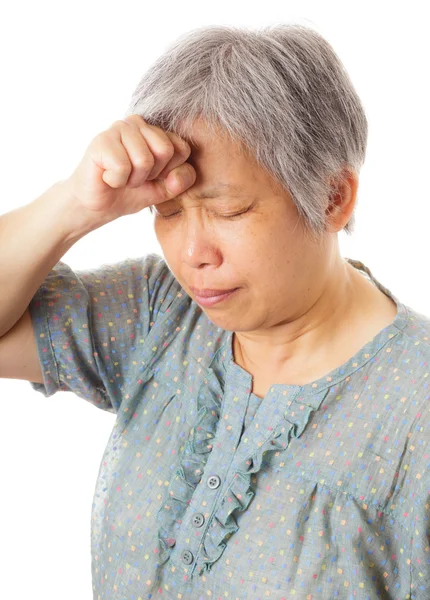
[{"x": 301, "y": 310}]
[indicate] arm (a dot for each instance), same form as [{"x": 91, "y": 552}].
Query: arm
[
  {"x": 120, "y": 174},
  {"x": 33, "y": 238}
]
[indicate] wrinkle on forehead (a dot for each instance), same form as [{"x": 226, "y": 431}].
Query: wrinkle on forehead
[{"x": 225, "y": 189}]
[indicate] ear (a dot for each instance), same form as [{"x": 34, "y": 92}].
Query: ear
[{"x": 342, "y": 200}]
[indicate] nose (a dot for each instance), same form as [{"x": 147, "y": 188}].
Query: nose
[{"x": 199, "y": 247}]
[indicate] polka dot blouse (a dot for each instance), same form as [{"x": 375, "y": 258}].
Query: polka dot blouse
[{"x": 206, "y": 491}]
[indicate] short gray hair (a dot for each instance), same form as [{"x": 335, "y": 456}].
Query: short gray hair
[{"x": 280, "y": 91}]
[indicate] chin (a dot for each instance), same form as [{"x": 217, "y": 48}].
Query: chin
[
  {"x": 223, "y": 321},
  {"x": 228, "y": 322}
]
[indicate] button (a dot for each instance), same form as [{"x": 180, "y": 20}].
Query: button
[
  {"x": 214, "y": 482},
  {"x": 187, "y": 557},
  {"x": 198, "y": 520}
]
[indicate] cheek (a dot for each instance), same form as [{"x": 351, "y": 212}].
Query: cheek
[
  {"x": 270, "y": 266},
  {"x": 158, "y": 228},
  {"x": 169, "y": 245},
  {"x": 257, "y": 243},
  {"x": 166, "y": 235},
  {"x": 267, "y": 245}
]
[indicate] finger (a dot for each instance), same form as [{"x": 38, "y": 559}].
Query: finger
[
  {"x": 159, "y": 144},
  {"x": 109, "y": 154},
  {"x": 182, "y": 152},
  {"x": 182, "y": 149},
  {"x": 141, "y": 158},
  {"x": 177, "y": 181},
  {"x": 159, "y": 190}
]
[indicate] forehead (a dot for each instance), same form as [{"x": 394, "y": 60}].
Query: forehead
[
  {"x": 207, "y": 142},
  {"x": 219, "y": 173},
  {"x": 224, "y": 166}
]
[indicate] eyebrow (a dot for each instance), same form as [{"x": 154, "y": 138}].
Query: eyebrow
[{"x": 221, "y": 188}]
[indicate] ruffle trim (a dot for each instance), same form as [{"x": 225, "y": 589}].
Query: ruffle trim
[
  {"x": 192, "y": 463},
  {"x": 241, "y": 492}
]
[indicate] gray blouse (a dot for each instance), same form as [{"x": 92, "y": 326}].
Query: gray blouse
[{"x": 207, "y": 491}]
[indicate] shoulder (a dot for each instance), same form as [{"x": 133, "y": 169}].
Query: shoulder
[
  {"x": 416, "y": 329},
  {"x": 411, "y": 392},
  {"x": 412, "y": 366},
  {"x": 408, "y": 356}
]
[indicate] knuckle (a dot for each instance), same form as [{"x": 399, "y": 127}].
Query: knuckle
[
  {"x": 102, "y": 135},
  {"x": 184, "y": 147},
  {"x": 165, "y": 151},
  {"x": 101, "y": 141},
  {"x": 133, "y": 117},
  {"x": 122, "y": 168},
  {"x": 118, "y": 123},
  {"x": 113, "y": 131},
  {"x": 135, "y": 120},
  {"x": 144, "y": 161}
]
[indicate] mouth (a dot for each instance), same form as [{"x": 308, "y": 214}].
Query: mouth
[
  {"x": 209, "y": 293},
  {"x": 213, "y": 297}
]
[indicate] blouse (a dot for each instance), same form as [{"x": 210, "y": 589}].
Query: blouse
[{"x": 205, "y": 490}]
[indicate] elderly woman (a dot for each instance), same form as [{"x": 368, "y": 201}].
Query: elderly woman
[{"x": 270, "y": 395}]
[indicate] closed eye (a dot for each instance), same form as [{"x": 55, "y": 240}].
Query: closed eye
[
  {"x": 168, "y": 216},
  {"x": 221, "y": 216},
  {"x": 236, "y": 214}
]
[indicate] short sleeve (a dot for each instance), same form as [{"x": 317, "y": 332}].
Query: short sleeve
[{"x": 89, "y": 325}]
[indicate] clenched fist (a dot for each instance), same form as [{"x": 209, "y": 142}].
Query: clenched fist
[{"x": 128, "y": 167}]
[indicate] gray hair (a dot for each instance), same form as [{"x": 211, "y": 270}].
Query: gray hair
[{"x": 280, "y": 92}]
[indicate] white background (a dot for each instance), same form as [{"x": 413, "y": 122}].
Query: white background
[{"x": 67, "y": 72}]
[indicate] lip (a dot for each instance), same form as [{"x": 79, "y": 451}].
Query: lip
[
  {"x": 212, "y": 299},
  {"x": 208, "y": 293}
]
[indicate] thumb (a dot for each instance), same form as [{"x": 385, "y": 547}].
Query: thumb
[{"x": 177, "y": 181}]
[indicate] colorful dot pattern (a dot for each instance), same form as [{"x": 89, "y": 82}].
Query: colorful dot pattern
[{"x": 318, "y": 491}]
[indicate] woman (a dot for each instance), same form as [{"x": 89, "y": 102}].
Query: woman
[{"x": 270, "y": 395}]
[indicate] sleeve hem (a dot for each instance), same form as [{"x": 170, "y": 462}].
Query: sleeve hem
[{"x": 45, "y": 348}]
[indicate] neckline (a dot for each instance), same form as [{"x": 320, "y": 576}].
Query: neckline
[{"x": 358, "y": 360}]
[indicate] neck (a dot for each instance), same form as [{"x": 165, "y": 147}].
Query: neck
[{"x": 348, "y": 312}]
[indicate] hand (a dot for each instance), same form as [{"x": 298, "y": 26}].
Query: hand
[{"x": 128, "y": 167}]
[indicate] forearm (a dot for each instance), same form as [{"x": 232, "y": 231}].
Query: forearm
[{"x": 33, "y": 238}]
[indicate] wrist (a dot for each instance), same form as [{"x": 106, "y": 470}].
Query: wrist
[{"x": 59, "y": 206}]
